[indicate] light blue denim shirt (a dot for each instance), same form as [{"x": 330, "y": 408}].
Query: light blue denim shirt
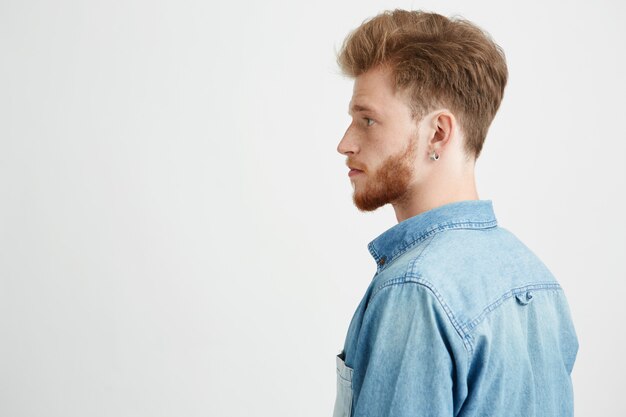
[{"x": 460, "y": 319}]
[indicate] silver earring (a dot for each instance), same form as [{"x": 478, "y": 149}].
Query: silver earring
[{"x": 434, "y": 156}]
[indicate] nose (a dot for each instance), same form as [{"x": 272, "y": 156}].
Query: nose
[{"x": 347, "y": 143}]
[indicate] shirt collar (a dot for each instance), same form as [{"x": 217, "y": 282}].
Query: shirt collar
[{"x": 465, "y": 214}]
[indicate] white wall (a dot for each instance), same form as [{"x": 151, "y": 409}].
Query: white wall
[{"x": 177, "y": 236}]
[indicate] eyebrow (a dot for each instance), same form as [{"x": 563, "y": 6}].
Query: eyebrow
[{"x": 359, "y": 107}]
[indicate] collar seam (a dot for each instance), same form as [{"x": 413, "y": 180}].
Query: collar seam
[{"x": 439, "y": 227}]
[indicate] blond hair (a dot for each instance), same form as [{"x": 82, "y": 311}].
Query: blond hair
[{"x": 439, "y": 61}]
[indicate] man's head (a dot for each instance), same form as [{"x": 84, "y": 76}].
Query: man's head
[{"x": 431, "y": 84}]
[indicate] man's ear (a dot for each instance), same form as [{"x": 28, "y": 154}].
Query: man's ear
[{"x": 442, "y": 125}]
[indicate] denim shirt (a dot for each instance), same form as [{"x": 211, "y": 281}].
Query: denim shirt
[{"x": 460, "y": 319}]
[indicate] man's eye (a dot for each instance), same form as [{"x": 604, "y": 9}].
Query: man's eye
[{"x": 368, "y": 121}]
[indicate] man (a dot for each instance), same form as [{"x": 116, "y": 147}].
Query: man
[{"x": 461, "y": 318}]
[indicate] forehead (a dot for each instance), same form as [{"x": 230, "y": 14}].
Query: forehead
[{"x": 374, "y": 90}]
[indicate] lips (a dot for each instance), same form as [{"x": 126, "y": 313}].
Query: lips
[
  {"x": 354, "y": 167},
  {"x": 354, "y": 172}
]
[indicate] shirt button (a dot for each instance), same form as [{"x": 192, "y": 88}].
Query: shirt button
[
  {"x": 524, "y": 298},
  {"x": 382, "y": 261}
]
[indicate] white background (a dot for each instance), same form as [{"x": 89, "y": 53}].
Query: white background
[{"x": 177, "y": 236}]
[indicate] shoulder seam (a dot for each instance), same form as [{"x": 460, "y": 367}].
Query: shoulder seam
[
  {"x": 411, "y": 266},
  {"x": 431, "y": 288}
]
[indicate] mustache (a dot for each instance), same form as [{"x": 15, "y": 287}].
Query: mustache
[{"x": 353, "y": 165}]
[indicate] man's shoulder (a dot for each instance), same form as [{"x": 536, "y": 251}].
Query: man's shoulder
[
  {"x": 494, "y": 252},
  {"x": 452, "y": 256},
  {"x": 471, "y": 270}
]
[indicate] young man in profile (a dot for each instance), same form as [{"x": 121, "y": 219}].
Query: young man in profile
[{"x": 461, "y": 318}]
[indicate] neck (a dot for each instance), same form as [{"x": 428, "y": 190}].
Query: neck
[{"x": 437, "y": 191}]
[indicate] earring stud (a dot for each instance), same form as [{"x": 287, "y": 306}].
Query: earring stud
[{"x": 434, "y": 156}]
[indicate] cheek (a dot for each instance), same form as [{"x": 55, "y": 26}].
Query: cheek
[{"x": 382, "y": 145}]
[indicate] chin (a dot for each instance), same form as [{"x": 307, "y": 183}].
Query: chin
[{"x": 367, "y": 203}]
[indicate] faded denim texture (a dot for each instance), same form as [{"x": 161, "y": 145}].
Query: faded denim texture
[{"x": 460, "y": 319}]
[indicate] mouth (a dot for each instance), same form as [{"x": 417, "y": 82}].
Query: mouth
[{"x": 354, "y": 172}]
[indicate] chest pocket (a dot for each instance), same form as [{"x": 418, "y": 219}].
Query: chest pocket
[{"x": 343, "y": 401}]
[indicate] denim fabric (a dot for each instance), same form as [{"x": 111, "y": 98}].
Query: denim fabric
[{"x": 460, "y": 319}]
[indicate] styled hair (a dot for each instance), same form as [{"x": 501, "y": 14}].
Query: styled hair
[{"x": 439, "y": 61}]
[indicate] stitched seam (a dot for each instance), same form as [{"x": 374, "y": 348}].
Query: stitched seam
[
  {"x": 550, "y": 285},
  {"x": 413, "y": 263},
  {"x": 440, "y": 227},
  {"x": 424, "y": 283},
  {"x": 373, "y": 252},
  {"x": 433, "y": 230}
]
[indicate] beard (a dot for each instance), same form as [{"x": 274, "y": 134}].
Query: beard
[{"x": 389, "y": 183}]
